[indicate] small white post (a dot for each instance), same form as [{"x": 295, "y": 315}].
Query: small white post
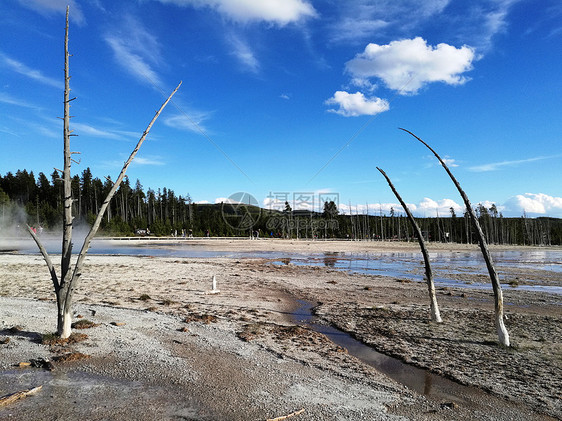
[{"x": 214, "y": 290}]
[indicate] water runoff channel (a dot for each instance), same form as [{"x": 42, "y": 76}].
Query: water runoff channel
[{"x": 420, "y": 380}]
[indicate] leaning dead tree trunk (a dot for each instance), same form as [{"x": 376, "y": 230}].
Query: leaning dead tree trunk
[
  {"x": 435, "y": 316},
  {"x": 65, "y": 284},
  {"x": 503, "y": 335}
]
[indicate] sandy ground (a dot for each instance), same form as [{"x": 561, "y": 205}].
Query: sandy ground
[{"x": 165, "y": 349}]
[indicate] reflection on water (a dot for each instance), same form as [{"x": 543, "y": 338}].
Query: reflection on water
[
  {"x": 411, "y": 266},
  {"x": 418, "y": 379},
  {"x": 403, "y": 265}
]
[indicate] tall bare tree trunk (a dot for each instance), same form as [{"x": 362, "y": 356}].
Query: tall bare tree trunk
[
  {"x": 435, "y": 316},
  {"x": 63, "y": 324},
  {"x": 503, "y": 335},
  {"x": 65, "y": 285}
]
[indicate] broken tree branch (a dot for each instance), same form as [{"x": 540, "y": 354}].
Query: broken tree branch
[
  {"x": 8, "y": 399},
  {"x": 103, "y": 208},
  {"x": 284, "y": 417},
  {"x": 46, "y": 257}
]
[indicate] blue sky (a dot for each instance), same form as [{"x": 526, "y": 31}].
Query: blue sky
[{"x": 293, "y": 99}]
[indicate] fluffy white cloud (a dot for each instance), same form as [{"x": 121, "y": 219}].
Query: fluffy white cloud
[
  {"x": 353, "y": 105},
  {"x": 429, "y": 207},
  {"x": 426, "y": 208},
  {"x": 280, "y": 12},
  {"x": 407, "y": 65},
  {"x": 535, "y": 204},
  {"x": 450, "y": 162}
]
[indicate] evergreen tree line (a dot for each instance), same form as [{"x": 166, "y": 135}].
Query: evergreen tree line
[{"x": 38, "y": 202}]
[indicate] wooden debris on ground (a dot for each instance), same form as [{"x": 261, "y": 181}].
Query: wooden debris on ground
[
  {"x": 284, "y": 417},
  {"x": 8, "y": 399}
]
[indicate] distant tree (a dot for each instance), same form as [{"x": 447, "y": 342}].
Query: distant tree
[{"x": 330, "y": 210}]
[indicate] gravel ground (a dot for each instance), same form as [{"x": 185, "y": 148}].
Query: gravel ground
[
  {"x": 165, "y": 349},
  {"x": 150, "y": 368}
]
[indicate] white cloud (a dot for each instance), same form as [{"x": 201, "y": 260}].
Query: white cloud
[
  {"x": 280, "y": 12},
  {"x": 192, "y": 121},
  {"x": 48, "y": 7},
  {"x": 426, "y": 208},
  {"x": 487, "y": 18},
  {"x": 242, "y": 51},
  {"x": 534, "y": 204},
  {"x": 82, "y": 129},
  {"x": 364, "y": 84},
  {"x": 362, "y": 19},
  {"x": 227, "y": 200},
  {"x": 8, "y": 99},
  {"x": 494, "y": 166},
  {"x": 87, "y": 130},
  {"x": 136, "y": 50},
  {"x": 430, "y": 208},
  {"x": 473, "y": 22},
  {"x": 155, "y": 160},
  {"x": 407, "y": 65},
  {"x": 26, "y": 71},
  {"x": 450, "y": 162},
  {"x": 353, "y": 105},
  {"x": 8, "y": 131},
  {"x": 351, "y": 28},
  {"x": 48, "y": 132},
  {"x": 138, "y": 160}
]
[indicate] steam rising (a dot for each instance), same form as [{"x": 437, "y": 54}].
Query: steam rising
[{"x": 14, "y": 235}]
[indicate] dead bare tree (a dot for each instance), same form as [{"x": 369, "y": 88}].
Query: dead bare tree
[
  {"x": 503, "y": 335},
  {"x": 65, "y": 284},
  {"x": 435, "y": 316}
]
